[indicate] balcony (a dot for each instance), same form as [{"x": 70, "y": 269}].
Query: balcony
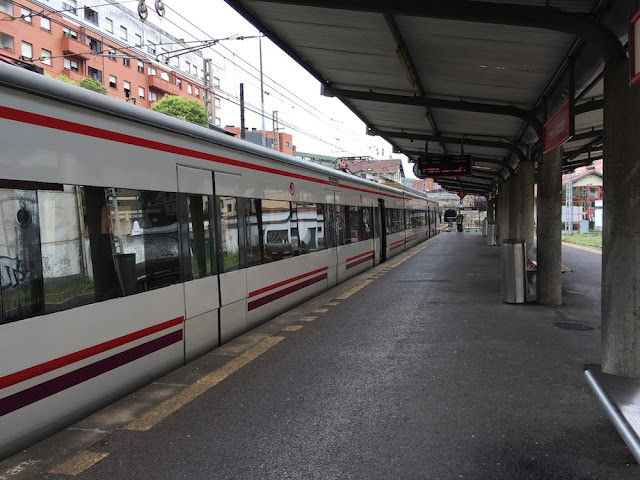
[
  {"x": 73, "y": 47},
  {"x": 163, "y": 86}
]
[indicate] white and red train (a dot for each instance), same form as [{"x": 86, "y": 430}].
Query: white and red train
[{"x": 132, "y": 242}]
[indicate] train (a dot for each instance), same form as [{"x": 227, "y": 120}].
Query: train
[{"x": 132, "y": 242}]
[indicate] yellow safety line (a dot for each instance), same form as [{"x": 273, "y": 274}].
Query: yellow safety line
[
  {"x": 307, "y": 319},
  {"x": 331, "y": 304},
  {"x": 292, "y": 328},
  {"x": 173, "y": 404},
  {"x": 78, "y": 464},
  {"x": 320, "y": 310}
]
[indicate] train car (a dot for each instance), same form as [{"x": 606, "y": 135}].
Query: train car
[{"x": 132, "y": 242}]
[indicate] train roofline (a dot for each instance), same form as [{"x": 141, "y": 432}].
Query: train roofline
[{"x": 29, "y": 82}]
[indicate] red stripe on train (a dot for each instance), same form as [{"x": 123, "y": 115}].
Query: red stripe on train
[
  {"x": 285, "y": 282},
  {"x": 51, "y": 365}
]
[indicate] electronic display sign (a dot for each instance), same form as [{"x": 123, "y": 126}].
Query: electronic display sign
[{"x": 433, "y": 166}]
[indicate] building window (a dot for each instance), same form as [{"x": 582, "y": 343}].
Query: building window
[
  {"x": 124, "y": 35},
  {"x": 126, "y": 61},
  {"x": 189, "y": 89},
  {"x": 109, "y": 25},
  {"x": 112, "y": 81},
  {"x": 70, "y": 6},
  {"x": 91, "y": 15},
  {"x": 45, "y": 56},
  {"x": 216, "y": 102},
  {"x": 6, "y": 42},
  {"x": 151, "y": 48},
  {"x": 127, "y": 89},
  {"x": 95, "y": 74},
  {"x": 71, "y": 65},
  {"x": 140, "y": 66},
  {"x": 112, "y": 53},
  {"x": 153, "y": 96},
  {"x": 138, "y": 40},
  {"x": 141, "y": 92},
  {"x": 188, "y": 67},
  {"x": 94, "y": 44},
  {"x": 6, "y": 7},
  {"x": 195, "y": 70},
  {"x": 216, "y": 82},
  {"x": 164, "y": 76},
  {"x": 45, "y": 24},
  {"x": 27, "y": 50},
  {"x": 197, "y": 92},
  {"x": 25, "y": 13},
  {"x": 179, "y": 83},
  {"x": 152, "y": 71},
  {"x": 217, "y": 121},
  {"x": 67, "y": 32}
]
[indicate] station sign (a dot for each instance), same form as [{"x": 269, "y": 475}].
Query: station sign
[
  {"x": 558, "y": 128},
  {"x": 634, "y": 49},
  {"x": 433, "y": 166}
]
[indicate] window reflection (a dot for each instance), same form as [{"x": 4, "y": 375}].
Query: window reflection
[
  {"x": 253, "y": 225},
  {"x": 229, "y": 233},
  {"x": 277, "y": 223}
]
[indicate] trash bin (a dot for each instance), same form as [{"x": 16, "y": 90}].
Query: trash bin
[
  {"x": 491, "y": 234},
  {"x": 514, "y": 278}
]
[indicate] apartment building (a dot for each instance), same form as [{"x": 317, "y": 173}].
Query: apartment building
[{"x": 100, "y": 39}]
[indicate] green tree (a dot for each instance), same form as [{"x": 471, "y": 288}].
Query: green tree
[
  {"x": 64, "y": 79},
  {"x": 93, "y": 85},
  {"x": 184, "y": 108}
]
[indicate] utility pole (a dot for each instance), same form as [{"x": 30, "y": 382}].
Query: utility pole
[
  {"x": 276, "y": 135},
  {"x": 208, "y": 90},
  {"x": 261, "y": 89},
  {"x": 242, "y": 134}
]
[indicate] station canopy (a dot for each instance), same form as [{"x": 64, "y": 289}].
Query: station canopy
[{"x": 457, "y": 76}]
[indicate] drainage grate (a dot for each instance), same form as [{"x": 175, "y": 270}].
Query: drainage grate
[{"x": 573, "y": 326}]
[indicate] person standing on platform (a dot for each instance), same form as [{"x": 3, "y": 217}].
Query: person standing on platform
[{"x": 459, "y": 220}]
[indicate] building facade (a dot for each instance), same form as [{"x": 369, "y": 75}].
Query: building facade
[
  {"x": 135, "y": 61},
  {"x": 283, "y": 141}
]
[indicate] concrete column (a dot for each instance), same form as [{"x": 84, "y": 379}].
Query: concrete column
[
  {"x": 514, "y": 205},
  {"x": 503, "y": 212},
  {"x": 549, "y": 279},
  {"x": 621, "y": 230},
  {"x": 526, "y": 178}
]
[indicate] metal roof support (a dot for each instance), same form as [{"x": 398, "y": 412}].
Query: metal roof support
[
  {"x": 439, "y": 138},
  {"x": 548, "y": 18},
  {"x": 570, "y": 155},
  {"x": 462, "y": 105},
  {"x": 407, "y": 64}
]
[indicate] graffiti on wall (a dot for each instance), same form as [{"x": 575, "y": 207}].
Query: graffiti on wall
[{"x": 10, "y": 273}]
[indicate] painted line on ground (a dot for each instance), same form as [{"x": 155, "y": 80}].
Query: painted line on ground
[
  {"x": 166, "y": 408},
  {"x": 292, "y": 328},
  {"x": 320, "y": 310},
  {"x": 78, "y": 463},
  {"x": 307, "y": 319}
]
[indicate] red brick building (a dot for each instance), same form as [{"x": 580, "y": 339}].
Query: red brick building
[
  {"x": 285, "y": 140},
  {"x": 62, "y": 47}
]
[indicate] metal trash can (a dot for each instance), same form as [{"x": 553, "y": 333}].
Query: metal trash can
[
  {"x": 491, "y": 234},
  {"x": 514, "y": 277}
]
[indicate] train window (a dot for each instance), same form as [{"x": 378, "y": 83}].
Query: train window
[
  {"x": 20, "y": 263},
  {"x": 331, "y": 239},
  {"x": 310, "y": 227},
  {"x": 295, "y": 236},
  {"x": 253, "y": 235},
  {"x": 395, "y": 220},
  {"x": 197, "y": 236},
  {"x": 365, "y": 232},
  {"x": 229, "y": 233},
  {"x": 342, "y": 220},
  {"x": 277, "y": 226}
]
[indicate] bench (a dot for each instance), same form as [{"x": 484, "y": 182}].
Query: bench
[{"x": 620, "y": 397}]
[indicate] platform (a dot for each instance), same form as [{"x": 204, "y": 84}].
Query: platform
[{"x": 415, "y": 369}]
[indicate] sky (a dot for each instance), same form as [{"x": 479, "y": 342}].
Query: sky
[{"x": 318, "y": 124}]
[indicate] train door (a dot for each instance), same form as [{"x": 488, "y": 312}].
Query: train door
[
  {"x": 383, "y": 231},
  {"x": 197, "y": 242}
]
